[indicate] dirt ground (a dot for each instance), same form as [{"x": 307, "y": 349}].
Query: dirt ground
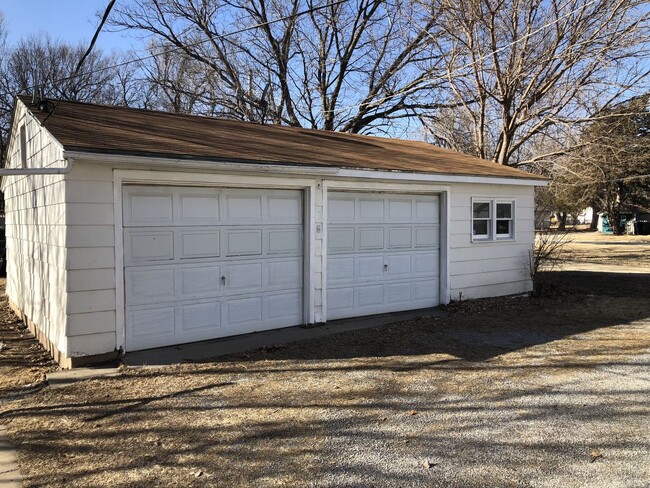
[
  {"x": 547, "y": 391},
  {"x": 23, "y": 362}
]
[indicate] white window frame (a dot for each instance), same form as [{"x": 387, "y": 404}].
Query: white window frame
[{"x": 492, "y": 235}]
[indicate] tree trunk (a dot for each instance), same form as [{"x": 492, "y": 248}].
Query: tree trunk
[{"x": 595, "y": 208}]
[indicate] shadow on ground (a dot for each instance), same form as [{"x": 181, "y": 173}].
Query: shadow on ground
[
  {"x": 370, "y": 407},
  {"x": 477, "y": 330},
  {"x": 632, "y": 285}
]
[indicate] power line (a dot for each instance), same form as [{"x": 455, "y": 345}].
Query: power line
[
  {"x": 109, "y": 7},
  {"x": 94, "y": 39},
  {"x": 219, "y": 36}
]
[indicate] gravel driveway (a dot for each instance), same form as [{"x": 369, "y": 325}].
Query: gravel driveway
[{"x": 542, "y": 392}]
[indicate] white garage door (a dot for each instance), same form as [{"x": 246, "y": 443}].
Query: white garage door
[
  {"x": 382, "y": 253},
  {"x": 202, "y": 263}
]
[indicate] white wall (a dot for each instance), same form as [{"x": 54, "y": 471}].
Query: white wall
[
  {"x": 91, "y": 260},
  {"x": 493, "y": 268},
  {"x": 36, "y": 231}
]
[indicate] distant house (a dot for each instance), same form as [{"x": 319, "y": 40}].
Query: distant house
[
  {"x": 635, "y": 220},
  {"x": 170, "y": 228}
]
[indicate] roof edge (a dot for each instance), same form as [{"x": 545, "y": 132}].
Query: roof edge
[{"x": 175, "y": 162}]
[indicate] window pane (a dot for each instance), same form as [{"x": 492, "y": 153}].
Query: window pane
[
  {"x": 504, "y": 210},
  {"x": 503, "y": 227},
  {"x": 480, "y": 227},
  {"x": 481, "y": 210}
]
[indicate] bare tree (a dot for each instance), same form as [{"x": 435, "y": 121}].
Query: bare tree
[
  {"x": 550, "y": 244},
  {"x": 612, "y": 166},
  {"x": 175, "y": 82},
  {"x": 356, "y": 66},
  {"x": 39, "y": 65},
  {"x": 518, "y": 68}
]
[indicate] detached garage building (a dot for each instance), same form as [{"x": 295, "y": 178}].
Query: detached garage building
[{"x": 164, "y": 229}]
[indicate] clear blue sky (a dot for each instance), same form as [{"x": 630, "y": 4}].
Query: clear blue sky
[{"x": 72, "y": 21}]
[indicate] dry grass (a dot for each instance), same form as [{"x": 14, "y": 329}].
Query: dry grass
[
  {"x": 597, "y": 248},
  {"x": 501, "y": 392}
]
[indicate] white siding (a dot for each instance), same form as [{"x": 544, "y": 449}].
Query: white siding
[
  {"x": 484, "y": 269},
  {"x": 91, "y": 260},
  {"x": 35, "y": 230}
]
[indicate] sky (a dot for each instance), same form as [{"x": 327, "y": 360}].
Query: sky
[{"x": 72, "y": 21}]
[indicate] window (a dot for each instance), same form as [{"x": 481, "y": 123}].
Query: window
[
  {"x": 492, "y": 219},
  {"x": 504, "y": 219},
  {"x": 481, "y": 219}
]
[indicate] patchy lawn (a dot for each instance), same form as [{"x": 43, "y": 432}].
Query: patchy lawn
[
  {"x": 601, "y": 249},
  {"x": 551, "y": 391}
]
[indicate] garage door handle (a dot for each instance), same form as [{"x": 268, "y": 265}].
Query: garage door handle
[
  {"x": 223, "y": 280},
  {"x": 385, "y": 267}
]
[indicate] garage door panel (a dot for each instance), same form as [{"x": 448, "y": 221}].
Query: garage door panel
[
  {"x": 339, "y": 299},
  {"x": 341, "y": 209},
  {"x": 243, "y": 242},
  {"x": 179, "y": 242},
  {"x": 371, "y": 209},
  {"x": 399, "y": 209},
  {"x": 426, "y": 211},
  {"x": 340, "y": 239},
  {"x": 370, "y": 267},
  {"x": 199, "y": 281},
  {"x": 148, "y": 208},
  {"x": 426, "y": 237},
  {"x": 244, "y": 311},
  {"x": 243, "y": 208},
  {"x": 399, "y": 237},
  {"x": 199, "y": 208},
  {"x": 369, "y": 295},
  {"x": 398, "y": 265},
  {"x": 199, "y": 244},
  {"x": 284, "y": 274},
  {"x": 146, "y": 245},
  {"x": 243, "y": 278},
  {"x": 150, "y": 285},
  {"x": 284, "y": 241},
  {"x": 200, "y": 316},
  {"x": 394, "y": 250},
  {"x": 285, "y": 208},
  {"x": 398, "y": 293},
  {"x": 340, "y": 269},
  {"x": 425, "y": 264},
  {"x": 371, "y": 238},
  {"x": 422, "y": 289},
  {"x": 152, "y": 321},
  {"x": 284, "y": 306}
]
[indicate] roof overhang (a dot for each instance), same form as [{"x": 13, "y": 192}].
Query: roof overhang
[{"x": 293, "y": 169}]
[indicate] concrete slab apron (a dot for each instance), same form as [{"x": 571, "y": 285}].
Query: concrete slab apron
[
  {"x": 10, "y": 476},
  {"x": 210, "y": 350}
]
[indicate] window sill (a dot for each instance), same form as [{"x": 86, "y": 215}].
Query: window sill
[{"x": 478, "y": 240}]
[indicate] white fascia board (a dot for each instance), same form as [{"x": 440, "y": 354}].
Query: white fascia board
[
  {"x": 439, "y": 178},
  {"x": 177, "y": 163}
]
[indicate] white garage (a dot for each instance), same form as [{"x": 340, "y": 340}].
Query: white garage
[
  {"x": 382, "y": 253},
  {"x": 202, "y": 263},
  {"x": 132, "y": 229}
]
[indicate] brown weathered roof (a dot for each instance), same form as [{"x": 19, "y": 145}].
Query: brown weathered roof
[{"x": 118, "y": 130}]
